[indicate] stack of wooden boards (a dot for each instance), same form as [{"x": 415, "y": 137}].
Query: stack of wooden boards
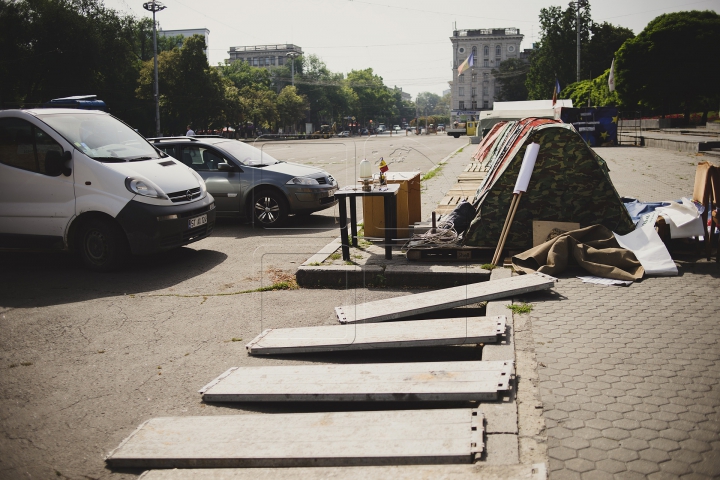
[{"x": 346, "y": 438}]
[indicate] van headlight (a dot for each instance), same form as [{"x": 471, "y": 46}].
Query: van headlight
[
  {"x": 144, "y": 187},
  {"x": 302, "y": 181},
  {"x": 203, "y": 187}
]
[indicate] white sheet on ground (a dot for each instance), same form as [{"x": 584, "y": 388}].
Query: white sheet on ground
[
  {"x": 647, "y": 246},
  {"x": 604, "y": 281},
  {"x": 684, "y": 219}
]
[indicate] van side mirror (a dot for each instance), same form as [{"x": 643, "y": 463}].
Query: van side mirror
[{"x": 55, "y": 163}]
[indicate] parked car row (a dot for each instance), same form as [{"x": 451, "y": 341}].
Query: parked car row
[{"x": 84, "y": 181}]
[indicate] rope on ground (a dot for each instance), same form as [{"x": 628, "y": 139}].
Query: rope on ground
[{"x": 444, "y": 236}]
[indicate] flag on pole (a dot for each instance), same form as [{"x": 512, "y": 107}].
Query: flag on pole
[
  {"x": 383, "y": 166},
  {"x": 469, "y": 62},
  {"x": 611, "y": 77},
  {"x": 556, "y": 91}
]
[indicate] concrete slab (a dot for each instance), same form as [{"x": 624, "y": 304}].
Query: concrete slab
[
  {"x": 389, "y": 382},
  {"x": 370, "y": 336},
  {"x": 501, "y": 418},
  {"x": 502, "y": 450},
  {"x": 398, "y": 437},
  {"x": 409, "y": 305},
  {"x": 395, "y": 472},
  {"x": 434, "y": 275}
]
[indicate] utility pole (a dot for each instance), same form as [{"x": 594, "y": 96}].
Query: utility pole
[
  {"x": 153, "y": 7},
  {"x": 579, "y": 4},
  {"x": 292, "y": 56}
]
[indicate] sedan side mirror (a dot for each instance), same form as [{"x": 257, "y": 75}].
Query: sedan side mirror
[{"x": 226, "y": 167}]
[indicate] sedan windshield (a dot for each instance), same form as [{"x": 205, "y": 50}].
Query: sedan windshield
[
  {"x": 246, "y": 154},
  {"x": 101, "y": 137}
]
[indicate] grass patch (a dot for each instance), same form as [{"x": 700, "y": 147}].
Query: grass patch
[
  {"x": 314, "y": 264},
  {"x": 236, "y": 339},
  {"x": 335, "y": 256},
  {"x": 364, "y": 243},
  {"x": 431, "y": 174},
  {"x": 488, "y": 266},
  {"x": 523, "y": 308},
  {"x": 25, "y": 364},
  {"x": 357, "y": 256},
  {"x": 461, "y": 150},
  {"x": 282, "y": 280}
]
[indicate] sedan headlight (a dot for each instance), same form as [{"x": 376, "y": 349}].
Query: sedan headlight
[
  {"x": 144, "y": 187},
  {"x": 303, "y": 181}
]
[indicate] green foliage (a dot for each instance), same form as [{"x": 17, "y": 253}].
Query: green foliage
[
  {"x": 523, "y": 308},
  {"x": 596, "y": 90},
  {"x": 670, "y": 66},
  {"x": 556, "y": 55},
  {"x": 511, "y": 77},
  {"x": 291, "y": 106}
]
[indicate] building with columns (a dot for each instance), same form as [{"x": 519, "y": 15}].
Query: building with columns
[
  {"x": 474, "y": 90},
  {"x": 265, "y": 56}
]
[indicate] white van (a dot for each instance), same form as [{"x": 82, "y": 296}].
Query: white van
[{"x": 85, "y": 181}]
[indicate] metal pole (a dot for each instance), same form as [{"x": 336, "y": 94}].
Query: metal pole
[
  {"x": 157, "y": 93},
  {"x": 153, "y": 7},
  {"x": 578, "y": 41}
]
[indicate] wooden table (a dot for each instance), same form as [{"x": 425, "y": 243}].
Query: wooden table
[{"x": 389, "y": 195}]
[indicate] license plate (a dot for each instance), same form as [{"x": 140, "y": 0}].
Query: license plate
[{"x": 197, "y": 221}]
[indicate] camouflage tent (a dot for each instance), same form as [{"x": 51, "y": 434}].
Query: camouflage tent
[{"x": 570, "y": 183}]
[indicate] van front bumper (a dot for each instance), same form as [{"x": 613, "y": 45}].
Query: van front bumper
[{"x": 153, "y": 228}]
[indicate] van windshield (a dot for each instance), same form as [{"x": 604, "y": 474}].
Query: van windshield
[{"x": 101, "y": 136}]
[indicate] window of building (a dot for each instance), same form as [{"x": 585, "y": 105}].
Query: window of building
[
  {"x": 474, "y": 77},
  {"x": 461, "y": 91},
  {"x": 474, "y": 91},
  {"x": 486, "y": 63},
  {"x": 498, "y": 50},
  {"x": 474, "y": 52},
  {"x": 255, "y": 61},
  {"x": 485, "y": 104},
  {"x": 497, "y": 61},
  {"x": 281, "y": 60},
  {"x": 461, "y": 105},
  {"x": 485, "y": 89},
  {"x": 474, "y": 105},
  {"x": 486, "y": 50},
  {"x": 461, "y": 78}
]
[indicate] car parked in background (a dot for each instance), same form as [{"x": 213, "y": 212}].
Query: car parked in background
[
  {"x": 396, "y": 128},
  {"x": 344, "y": 133},
  {"x": 249, "y": 183}
]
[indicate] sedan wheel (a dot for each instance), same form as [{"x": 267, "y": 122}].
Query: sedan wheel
[{"x": 269, "y": 208}]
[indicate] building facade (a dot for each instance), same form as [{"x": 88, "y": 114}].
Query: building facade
[
  {"x": 266, "y": 56},
  {"x": 474, "y": 90},
  {"x": 203, "y": 32}
]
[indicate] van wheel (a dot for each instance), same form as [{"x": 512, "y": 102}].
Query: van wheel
[
  {"x": 269, "y": 208},
  {"x": 103, "y": 245}
]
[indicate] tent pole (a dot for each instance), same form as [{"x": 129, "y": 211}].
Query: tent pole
[{"x": 506, "y": 228}]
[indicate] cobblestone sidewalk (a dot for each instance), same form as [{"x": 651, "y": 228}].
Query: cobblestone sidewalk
[{"x": 629, "y": 377}]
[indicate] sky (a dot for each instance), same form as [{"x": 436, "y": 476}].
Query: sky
[{"x": 406, "y": 43}]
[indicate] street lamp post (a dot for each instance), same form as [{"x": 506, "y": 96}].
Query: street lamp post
[
  {"x": 292, "y": 56},
  {"x": 579, "y": 4},
  {"x": 153, "y": 7}
]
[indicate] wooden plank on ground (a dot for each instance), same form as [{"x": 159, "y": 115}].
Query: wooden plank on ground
[
  {"x": 384, "y": 382},
  {"x": 436, "y": 300},
  {"x": 478, "y": 471},
  {"x": 368, "y": 336},
  {"x": 304, "y": 440}
]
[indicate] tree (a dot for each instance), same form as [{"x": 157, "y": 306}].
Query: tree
[
  {"x": 443, "y": 106},
  {"x": 595, "y": 90},
  {"x": 556, "y": 56},
  {"x": 427, "y": 102},
  {"x": 191, "y": 92},
  {"x": 511, "y": 77},
  {"x": 670, "y": 66},
  {"x": 291, "y": 106},
  {"x": 375, "y": 100}
]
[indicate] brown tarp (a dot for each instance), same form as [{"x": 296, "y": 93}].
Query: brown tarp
[{"x": 594, "y": 248}]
